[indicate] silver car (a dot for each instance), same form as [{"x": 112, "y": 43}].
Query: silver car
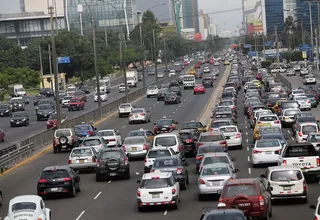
[
  {"x": 213, "y": 177},
  {"x": 136, "y": 147},
  {"x": 291, "y": 72},
  {"x": 304, "y": 71},
  {"x": 83, "y": 158},
  {"x": 139, "y": 115},
  {"x": 314, "y": 139},
  {"x": 122, "y": 88}
]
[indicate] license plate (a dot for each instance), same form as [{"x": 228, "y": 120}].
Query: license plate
[
  {"x": 45, "y": 115},
  {"x": 269, "y": 152},
  {"x": 136, "y": 116},
  {"x": 215, "y": 183},
  {"x": 64, "y": 146},
  {"x": 81, "y": 161},
  {"x": 155, "y": 196},
  {"x": 112, "y": 174},
  {"x": 286, "y": 188},
  {"x": 134, "y": 148},
  {"x": 302, "y": 170},
  {"x": 18, "y": 122},
  {"x": 163, "y": 129},
  {"x": 54, "y": 189}
]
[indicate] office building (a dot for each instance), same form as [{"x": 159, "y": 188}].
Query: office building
[
  {"x": 275, "y": 15},
  {"x": 254, "y": 16},
  {"x": 303, "y": 15},
  {"x": 190, "y": 14},
  {"x": 163, "y": 13},
  {"x": 206, "y": 19}
]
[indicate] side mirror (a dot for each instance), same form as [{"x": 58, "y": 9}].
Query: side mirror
[
  {"x": 318, "y": 121},
  {"x": 263, "y": 176},
  {"x": 236, "y": 170},
  {"x": 241, "y": 130},
  {"x": 312, "y": 207},
  {"x": 270, "y": 188},
  {"x": 77, "y": 171},
  {"x": 233, "y": 159},
  {"x": 138, "y": 181}
]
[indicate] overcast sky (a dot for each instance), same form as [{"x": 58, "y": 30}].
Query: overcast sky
[{"x": 225, "y": 20}]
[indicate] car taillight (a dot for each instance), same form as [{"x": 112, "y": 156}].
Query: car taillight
[
  {"x": 42, "y": 181},
  {"x": 142, "y": 114},
  {"x": 238, "y": 135},
  {"x": 261, "y": 201},
  {"x": 93, "y": 159},
  {"x": 318, "y": 162},
  {"x": 269, "y": 105},
  {"x": 201, "y": 181},
  {"x": 152, "y": 171},
  {"x": 145, "y": 160},
  {"x": 233, "y": 107},
  {"x": 277, "y": 122},
  {"x": 315, "y": 218},
  {"x": 72, "y": 138},
  {"x": 155, "y": 128},
  {"x": 89, "y": 132},
  {"x": 304, "y": 185},
  {"x": 223, "y": 143},
  {"x": 189, "y": 141},
  {"x": 314, "y": 99},
  {"x": 173, "y": 191},
  {"x": 145, "y": 147},
  {"x": 112, "y": 140},
  {"x": 259, "y": 122},
  {"x": 179, "y": 148},
  {"x": 256, "y": 151},
  {"x": 277, "y": 151},
  {"x": 284, "y": 162},
  {"x": 54, "y": 140},
  {"x": 210, "y": 129},
  {"x": 130, "y": 115},
  {"x": 126, "y": 161},
  {"x": 98, "y": 163},
  {"x": 199, "y": 157},
  {"x": 179, "y": 170},
  {"x": 300, "y": 134},
  {"x": 123, "y": 148},
  {"x": 69, "y": 161},
  {"x": 138, "y": 193},
  {"x": 66, "y": 179}
]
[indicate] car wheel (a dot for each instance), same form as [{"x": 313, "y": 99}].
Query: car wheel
[
  {"x": 240, "y": 147},
  {"x": 98, "y": 178},
  {"x": 305, "y": 200},
  {"x": 55, "y": 150},
  {"x": 127, "y": 176},
  {"x": 73, "y": 191},
  {"x": 184, "y": 185},
  {"x": 1, "y": 199},
  {"x": 140, "y": 209},
  {"x": 79, "y": 187}
]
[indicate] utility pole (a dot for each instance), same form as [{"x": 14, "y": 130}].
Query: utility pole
[
  {"x": 264, "y": 47},
  {"x": 317, "y": 55},
  {"x": 155, "y": 54},
  {"x": 277, "y": 44},
  {"x": 302, "y": 30},
  {"x": 165, "y": 52},
  {"x": 124, "y": 64},
  {"x": 50, "y": 65},
  {"x": 95, "y": 61},
  {"x": 55, "y": 69},
  {"x": 142, "y": 57},
  {"x": 318, "y": 34},
  {"x": 212, "y": 43},
  {"x": 41, "y": 67},
  {"x": 311, "y": 29},
  {"x": 255, "y": 48}
]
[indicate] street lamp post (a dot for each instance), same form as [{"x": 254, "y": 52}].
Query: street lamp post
[{"x": 155, "y": 54}]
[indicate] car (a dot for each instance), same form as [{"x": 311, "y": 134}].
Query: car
[
  {"x": 85, "y": 89},
  {"x": 112, "y": 136},
  {"x": 81, "y": 95},
  {"x": 316, "y": 208},
  {"x": 197, "y": 66},
  {"x": 287, "y": 116},
  {"x": 95, "y": 142},
  {"x": 19, "y": 119},
  {"x": 64, "y": 139},
  {"x": 172, "y": 73},
  {"x": 279, "y": 136},
  {"x": 232, "y": 135},
  {"x": 314, "y": 139},
  {"x": 111, "y": 163},
  {"x": 45, "y": 102},
  {"x": 26, "y": 204},
  {"x": 162, "y": 94},
  {"x": 207, "y": 82},
  {"x": 223, "y": 214},
  {"x": 219, "y": 116},
  {"x": 192, "y": 71},
  {"x": 164, "y": 187},
  {"x": 151, "y": 71},
  {"x": 175, "y": 89},
  {"x": 226, "y": 63},
  {"x": 17, "y": 105},
  {"x": 83, "y": 158},
  {"x": 304, "y": 71},
  {"x": 304, "y": 102},
  {"x": 291, "y": 72},
  {"x": 149, "y": 135},
  {"x": 44, "y": 111},
  {"x": 164, "y": 125},
  {"x": 250, "y": 195},
  {"x": 174, "y": 164},
  {"x": 189, "y": 137},
  {"x": 265, "y": 151},
  {"x": 256, "y": 130},
  {"x": 103, "y": 97},
  {"x": 152, "y": 91},
  {"x": 216, "y": 157},
  {"x": 84, "y": 130},
  {"x": 296, "y": 92},
  {"x": 206, "y": 69},
  {"x": 313, "y": 100},
  {"x": 213, "y": 177},
  {"x": 172, "y": 141},
  {"x": 301, "y": 119},
  {"x": 65, "y": 101},
  {"x": 154, "y": 153},
  {"x": 2, "y": 135},
  {"x": 206, "y": 148},
  {"x": 125, "y": 109},
  {"x": 199, "y": 88},
  {"x": 217, "y": 63},
  {"x": 122, "y": 88},
  {"x": 216, "y": 124},
  {"x": 309, "y": 79},
  {"x": 272, "y": 119},
  {"x": 304, "y": 129},
  {"x": 48, "y": 92},
  {"x": 160, "y": 75},
  {"x": 256, "y": 114},
  {"x": 296, "y": 67},
  {"x": 58, "y": 180},
  {"x": 37, "y": 99},
  {"x": 139, "y": 115},
  {"x": 193, "y": 125},
  {"x": 136, "y": 147},
  {"x": 52, "y": 120},
  {"x": 286, "y": 182},
  {"x": 5, "y": 110}
]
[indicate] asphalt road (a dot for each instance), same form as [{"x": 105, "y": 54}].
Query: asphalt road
[
  {"x": 117, "y": 198},
  {"x": 16, "y": 134}
]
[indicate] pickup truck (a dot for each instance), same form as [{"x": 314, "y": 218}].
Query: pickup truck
[
  {"x": 303, "y": 156},
  {"x": 75, "y": 103}
]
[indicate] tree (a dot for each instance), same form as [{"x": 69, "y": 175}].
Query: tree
[{"x": 26, "y": 76}]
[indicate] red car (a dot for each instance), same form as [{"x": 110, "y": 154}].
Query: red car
[
  {"x": 75, "y": 103},
  {"x": 197, "y": 66},
  {"x": 52, "y": 121},
  {"x": 199, "y": 88},
  {"x": 185, "y": 63},
  {"x": 211, "y": 62},
  {"x": 250, "y": 195},
  {"x": 2, "y": 135},
  {"x": 200, "y": 62}
]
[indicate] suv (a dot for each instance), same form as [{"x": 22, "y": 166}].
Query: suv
[
  {"x": 65, "y": 139},
  {"x": 250, "y": 195},
  {"x": 112, "y": 162},
  {"x": 213, "y": 137},
  {"x": 125, "y": 109}
]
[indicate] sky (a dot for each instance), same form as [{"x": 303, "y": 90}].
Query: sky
[{"x": 225, "y": 20}]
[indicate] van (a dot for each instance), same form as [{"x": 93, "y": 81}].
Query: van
[
  {"x": 188, "y": 81},
  {"x": 170, "y": 140}
]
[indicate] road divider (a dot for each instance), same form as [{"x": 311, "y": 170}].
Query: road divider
[{"x": 286, "y": 82}]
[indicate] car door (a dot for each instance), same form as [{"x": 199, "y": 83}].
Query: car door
[{"x": 266, "y": 196}]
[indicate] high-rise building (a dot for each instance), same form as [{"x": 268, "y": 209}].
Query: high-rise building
[
  {"x": 206, "y": 19},
  {"x": 190, "y": 14},
  {"x": 303, "y": 15},
  {"x": 201, "y": 27},
  {"x": 162, "y": 13},
  {"x": 274, "y": 15},
  {"x": 254, "y": 16},
  {"x": 213, "y": 29}
]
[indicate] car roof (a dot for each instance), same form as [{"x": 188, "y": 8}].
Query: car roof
[
  {"x": 26, "y": 198},
  {"x": 166, "y": 135},
  {"x": 135, "y": 137},
  {"x": 158, "y": 148},
  {"x": 148, "y": 176},
  {"x": 59, "y": 167},
  {"x": 92, "y": 138},
  {"x": 283, "y": 167},
  {"x": 210, "y": 133},
  {"x": 309, "y": 123},
  {"x": 242, "y": 181}
]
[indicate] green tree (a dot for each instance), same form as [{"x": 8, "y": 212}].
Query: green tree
[
  {"x": 11, "y": 55},
  {"x": 26, "y": 76}
]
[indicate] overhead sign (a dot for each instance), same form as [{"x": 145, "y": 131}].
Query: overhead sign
[
  {"x": 63, "y": 60},
  {"x": 305, "y": 47},
  {"x": 252, "y": 53},
  {"x": 268, "y": 43},
  {"x": 247, "y": 46}
]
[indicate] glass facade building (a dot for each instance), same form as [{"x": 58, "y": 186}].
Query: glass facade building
[
  {"x": 303, "y": 15},
  {"x": 190, "y": 14},
  {"x": 115, "y": 14},
  {"x": 274, "y": 15}
]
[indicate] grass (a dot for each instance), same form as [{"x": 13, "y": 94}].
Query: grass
[{"x": 32, "y": 91}]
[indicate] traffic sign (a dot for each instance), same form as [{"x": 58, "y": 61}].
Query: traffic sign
[
  {"x": 63, "y": 60},
  {"x": 305, "y": 47},
  {"x": 304, "y": 54},
  {"x": 247, "y": 46},
  {"x": 252, "y": 53}
]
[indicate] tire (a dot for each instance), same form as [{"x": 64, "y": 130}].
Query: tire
[
  {"x": 1, "y": 198},
  {"x": 55, "y": 150},
  {"x": 127, "y": 177},
  {"x": 120, "y": 115},
  {"x": 79, "y": 187},
  {"x": 305, "y": 200},
  {"x": 184, "y": 185},
  {"x": 38, "y": 119},
  {"x": 73, "y": 192},
  {"x": 240, "y": 147},
  {"x": 140, "y": 209}
]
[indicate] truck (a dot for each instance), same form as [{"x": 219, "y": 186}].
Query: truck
[
  {"x": 132, "y": 78},
  {"x": 16, "y": 90},
  {"x": 303, "y": 156},
  {"x": 105, "y": 85}
]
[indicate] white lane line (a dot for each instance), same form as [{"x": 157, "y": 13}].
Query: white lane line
[
  {"x": 33, "y": 123},
  {"x": 154, "y": 105},
  {"x": 288, "y": 131},
  {"x": 97, "y": 195},
  {"x": 8, "y": 132},
  {"x": 173, "y": 113},
  {"x": 170, "y": 116},
  {"x": 165, "y": 212},
  {"x": 245, "y": 122},
  {"x": 150, "y": 108},
  {"x": 1, "y": 125},
  {"x": 157, "y": 102},
  {"x": 81, "y": 214},
  {"x": 249, "y": 171},
  {"x": 248, "y": 158},
  {"x": 247, "y": 133},
  {"x": 248, "y": 149},
  {"x": 123, "y": 126},
  {"x": 179, "y": 106},
  {"x": 176, "y": 109},
  {"x": 246, "y": 127},
  {"x": 109, "y": 182},
  {"x": 247, "y": 140},
  {"x": 292, "y": 138}
]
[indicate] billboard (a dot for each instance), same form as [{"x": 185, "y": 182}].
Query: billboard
[
  {"x": 188, "y": 33},
  {"x": 254, "y": 17},
  {"x": 198, "y": 37}
]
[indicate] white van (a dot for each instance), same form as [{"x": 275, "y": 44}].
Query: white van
[
  {"x": 170, "y": 140},
  {"x": 286, "y": 182},
  {"x": 188, "y": 81}
]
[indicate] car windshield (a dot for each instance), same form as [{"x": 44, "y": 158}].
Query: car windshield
[
  {"x": 218, "y": 124},
  {"x": 307, "y": 129},
  {"x": 105, "y": 133},
  {"x": 125, "y": 106},
  {"x": 158, "y": 153},
  {"x": 286, "y": 175},
  {"x": 137, "y": 110},
  {"x": 187, "y": 125},
  {"x": 81, "y": 128},
  {"x": 291, "y": 112},
  {"x": 165, "y": 141},
  {"x": 91, "y": 142},
  {"x": 268, "y": 118},
  {"x": 137, "y": 140},
  {"x": 234, "y": 190},
  {"x": 152, "y": 87},
  {"x": 298, "y": 92},
  {"x": 314, "y": 138},
  {"x": 164, "y": 122},
  {"x": 161, "y": 163},
  {"x": 307, "y": 119},
  {"x": 67, "y": 98},
  {"x": 272, "y": 136},
  {"x": 54, "y": 174},
  {"x": 215, "y": 159},
  {"x": 228, "y": 129},
  {"x": 156, "y": 183},
  {"x": 267, "y": 143},
  {"x": 209, "y": 149},
  {"x": 60, "y": 133},
  {"x": 215, "y": 171},
  {"x": 290, "y": 105},
  {"x": 18, "y": 114},
  {"x": 44, "y": 107},
  {"x": 81, "y": 152},
  {"x": 19, "y": 206}
]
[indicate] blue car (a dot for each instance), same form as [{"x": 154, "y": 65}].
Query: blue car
[{"x": 85, "y": 130}]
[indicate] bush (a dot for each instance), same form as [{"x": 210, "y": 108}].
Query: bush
[{"x": 266, "y": 63}]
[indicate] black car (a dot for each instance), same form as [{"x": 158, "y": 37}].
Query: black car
[
  {"x": 17, "y": 105},
  {"x": 85, "y": 89},
  {"x": 162, "y": 94},
  {"x": 47, "y": 92},
  {"x": 207, "y": 82},
  {"x": 112, "y": 162},
  {"x": 5, "y": 110},
  {"x": 19, "y": 119},
  {"x": 171, "y": 98},
  {"x": 235, "y": 214},
  {"x": 37, "y": 99},
  {"x": 44, "y": 111},
  {"x": 176, "y": 165},
  {"x": 189, "y": 138},
  {"x": 175, "y": 89},
  {"x": 61, "y": 96},
  {"x": 58, "y": 180},
  {"x": 44, "y": 102},
  {"x": 26, "y": 100}
]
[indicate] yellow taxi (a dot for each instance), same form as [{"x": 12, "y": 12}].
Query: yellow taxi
[
  {"x": 192, "y": 71},
  {"x": 148, "y": 134},
  {"x": 226, "y": 62},
  {"x": 257, "y": 128},
  {"x": 275, "y": 108},
  {"x": 256, "y": 82}
]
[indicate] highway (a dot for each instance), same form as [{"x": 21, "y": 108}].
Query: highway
[
  {"x": 17, "y": 134},
  {"x": 117, "y": 198}
]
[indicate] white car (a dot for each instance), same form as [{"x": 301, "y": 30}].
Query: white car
[
  {"x": 255, "y": 115},
  {"x": 297, "y": 67},
  {"x": 303, "y": 130},
  {"x": 291, "y": 72},
  {"x": 139, "y": 115},
  {"x": 309, "y": 79},
  {"x": 304, "y": 102},
  {"x": 125, "y": 109},
  {"x": 152, "y": 91},
  {"x": 206, "y": 69},
  {"x": 30, "y": 207},
  {"x": 172, "y": 73},
  {"x": 232, "y": 135},
  {"x": 271, "y": 119},
  {"x": 103, "y": 97},
  {"x": 282, "y": 70},
  {"x": 304, "y": 71},
  {"x": 316, "y": 208},
  {"x": 65, "y": 101},
  {"x": 286, "y": 182},
  {"x": 265, "y": 151},
  {"x": 217, "y": 63},
  {"x": 169, "y": 140},
  {"x": 122, "y": 88},
  {"x": 153, "y": 153},
  {"x": 296, "y": 92},
  {"x": 158, "y": 189},
  {"x": 112, "y": 135}
]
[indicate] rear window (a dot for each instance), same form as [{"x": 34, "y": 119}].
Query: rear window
[
  {"x": 219, "y": 124},
  {"x": 108, "y": 154},
  {"x": 211, "y": 138},
  {"x": 166, "y": 163},
  {"x": 215, "y": 159},
  {"x": 83, "y": 128},
  {"x": 209, "y": 149},
  {"x": 223, "y": 116},
  {"x": 286, "y": 175},
  {"x": 314, "y": 138},
  {"x": 60, "y": 133},
  {"x": 54, "y": 174},
  {"x": 23, "y": 206},
  {"x": 300, "y": 151},
  {"x": 81, "y": 152},
  {"x": 291, "y": 112},
  {"x": 91, "y": 142},
  {"x": 215, "y": 171},
  {"x": 185, "y": 136},
  {"x": 226, "y": 103},
  {"x": 158, "y": 153},
  {"x": 306, "y": 119},
  {"x": 228, "y": 129},
  {"x": 156, "y": 183},
  {"x": 234, "y": 190},
  {"x": 165, "y": 141},
  {"x": 289, "y": 105},
  {"x": 125, "y": 105},
  {"x": 137, "y": 111},
  {"x": 268, "y": 118},
  {"x": 105, "y": 133},
  {"x": 135, "y": 133},
  {"x": 307, "y": 129},
  {"x": 269, "y": 143}
]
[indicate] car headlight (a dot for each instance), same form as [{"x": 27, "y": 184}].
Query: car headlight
[
  {"x": 24, "y": 119},
  {"x": 7, "y": 110},
  {"x": 20, "y": 105},
  {"x": 12, "y": 120}
]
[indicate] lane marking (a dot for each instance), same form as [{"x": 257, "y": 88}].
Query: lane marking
[
  {"x": 246, "y": 127},
  {"x": 247, "y": 133},
  {"x": 2, "y": 125},
  {"x": 33, "y": 123},
  {"x": 123, "y": 126},
  {"x": 97, "y": 195},
  {"x": 288, "y": 131},
  {"x": 176, "y": 109},
  {"x": 249, "y": 171},
  {"x": 248, "y": 149},
  {"x": 109, "y": 181},
  {"x": 165, "y": 212},
  {"x": 81, "y": 214},
  {"x": 173, "y": 113},
  {"x": 8, "y": 132},
  {"x": 246, "y": 122},
  {"x": 248, "y": 158},
  {"x": 247, "y": 140},
  {"x": 292, "y": 138}
]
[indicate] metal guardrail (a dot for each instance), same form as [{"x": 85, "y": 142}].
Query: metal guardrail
[
  {"x": 286, "y": 82},
  {"x": 14, "y": 157}
]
